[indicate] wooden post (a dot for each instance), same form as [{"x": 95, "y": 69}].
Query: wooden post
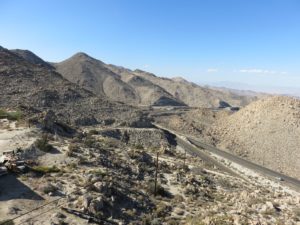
[
  {"x": 184, "y": 158},
  {"x": 156, "y": 171}
]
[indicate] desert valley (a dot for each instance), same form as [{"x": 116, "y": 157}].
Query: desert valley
[{"x": 82, "y": 141}]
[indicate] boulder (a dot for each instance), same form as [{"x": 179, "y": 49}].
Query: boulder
[{"x": 96, "y": 205}]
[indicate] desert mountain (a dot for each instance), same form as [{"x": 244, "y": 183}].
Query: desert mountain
[
  {"x": 93, "y": 75},
  {"x": 140, "y": 87},
  {"x": 149, "y": 93},
  {"x": 35, "y": 88},
  {"x": 31, "y": 57},
  {"x": 266, "y": 131},
  {"x": 105, "y": 80},
  {"x": 195, "y": 95}
]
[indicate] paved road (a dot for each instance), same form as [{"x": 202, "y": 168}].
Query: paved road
[
  {"x": 192, "y": 150},
  {"x": 289, "y": 181},
  {"x": 260, "y": 169}
]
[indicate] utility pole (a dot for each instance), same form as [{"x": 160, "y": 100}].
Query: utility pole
[
  {"x": 184, "y": 158},
  {"x": 156, "y": 171}
]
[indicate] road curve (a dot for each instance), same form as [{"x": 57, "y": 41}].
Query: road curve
[
  {"x": 250, "y": 165},
  {"x": 192, "y": 150},
  {"x": 273, "y": 175}
]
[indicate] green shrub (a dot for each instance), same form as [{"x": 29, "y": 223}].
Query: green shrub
[
  {"x": 14, "y": 115},
  {"x": 98, "y": 172},
  {"x": 90, "y": 142},
  {"x": 93, "y": 132},
  {"x": 7, "y": 222},
  {"x": 139, "y": 146},
  {"x": 43, "y": 144},
  {"x": 45, "y": 169}
]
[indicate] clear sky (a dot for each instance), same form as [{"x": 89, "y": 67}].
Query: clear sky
[{"x": 245, "y": 41}]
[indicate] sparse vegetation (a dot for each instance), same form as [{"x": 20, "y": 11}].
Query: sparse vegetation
[
  {"x": 10, "y": 115},
  {"x": 45, "y": 169},
  {"x": 90, "y": 142},
  {"x": 7, "y": 222},
  {"x": 160, "y": 190},
  {"x": 47, "y": 188},
  {"x": 93, "y": 132},
  {"x": 43, "y": 144},
  {"x": 72, "y": 148},
  {"x": 139, "y": 147}
]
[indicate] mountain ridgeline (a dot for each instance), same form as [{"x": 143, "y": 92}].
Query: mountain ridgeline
[{"x": 135, "y": 87}]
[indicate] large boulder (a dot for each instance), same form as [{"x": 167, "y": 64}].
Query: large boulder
[{"x": 51, "y": 124}]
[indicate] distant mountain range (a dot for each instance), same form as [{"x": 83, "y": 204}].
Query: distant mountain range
[
  {"x": 248, "y": 88},
  {"x": 136, "y": 87}
]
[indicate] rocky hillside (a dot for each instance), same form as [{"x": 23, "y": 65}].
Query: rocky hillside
[
  {"x": 35, "y": 89},
  {"x": 140, "y": 87},
  {"x": 31, "y": 57},
  {"x": 266, "y": 131},
  {"x": 135, "y": 87},
  {"x": 195, "y": 95},
  {"x": 93, "y": 75},
  {"x": 105, "y": 80}
]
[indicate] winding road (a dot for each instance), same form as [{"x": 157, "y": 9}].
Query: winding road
[{"x": 197, "y": 147}]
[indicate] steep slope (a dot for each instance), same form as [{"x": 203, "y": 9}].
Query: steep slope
[
  {"x": 93, "y": 75},
  {"x": 195, "y": 95},
  {"x": 31, "y": 57},
  {"x": 149, "y": 93},
  {"x": 117, "y": 83},
  {"x": 266, "y": 131},
  {"x": 36, "y": 89}
]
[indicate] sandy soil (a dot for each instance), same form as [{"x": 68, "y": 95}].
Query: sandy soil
[{"x": 13, "y": 136}]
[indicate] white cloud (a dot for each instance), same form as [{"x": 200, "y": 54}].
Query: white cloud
[
  {"x": 146, "y": 66},
  {"x": 212, "y": 70},
  {"x": 260, "y": 71}
]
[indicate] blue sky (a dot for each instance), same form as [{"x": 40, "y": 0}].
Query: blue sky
[{"x": 256, "y": 42}]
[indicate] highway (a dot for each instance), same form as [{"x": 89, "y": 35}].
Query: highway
[
  {"x": 197, "y": 147},
  {"x": 290, "y": 181},
  {"x": 192, "y": 150}
]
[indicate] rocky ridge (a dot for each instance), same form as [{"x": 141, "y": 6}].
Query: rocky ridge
[
  {"x": 35, "y": 89},
  {"x": 266, "y": 131}
]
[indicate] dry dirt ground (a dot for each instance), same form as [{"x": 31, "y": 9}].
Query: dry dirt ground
[
  {"x": 14, "y": 135},
  {"x": 100, "y": 177}
]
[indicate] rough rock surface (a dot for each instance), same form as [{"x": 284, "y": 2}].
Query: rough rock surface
[
  {"x": 139, "y": 137},
  {"x": 266, "y": 131},
  {"x": 105, "y": 80},
  {"x": 34, "y": 89}
]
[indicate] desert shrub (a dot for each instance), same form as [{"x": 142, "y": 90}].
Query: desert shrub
[
  {"x": 139, "y": 146},
  {"x": 45, "y": 169},
  {"x": 82, "y": 160},
  {"x": 98, "y": 172},
  {"x": 146, "y": 219},
  {"x": 223, "y": 220},
  {"x": 173, "y": 221},
  {"x": 89, "y": 142},
  {"x": 47, "y": 188},
  {"x": 162, "y": 210},
  {"x": 14, "y": 115},
  {"x": 43, "y": 144},
  {"x": 71, "y": 149},
  {"x": 72, "y": 165},
  {"x": 7, "y": 222},
  {"x": 160, "y": 190},
  {"x": 93, "y": 132},
  {"x": 112, "y": 142}
]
